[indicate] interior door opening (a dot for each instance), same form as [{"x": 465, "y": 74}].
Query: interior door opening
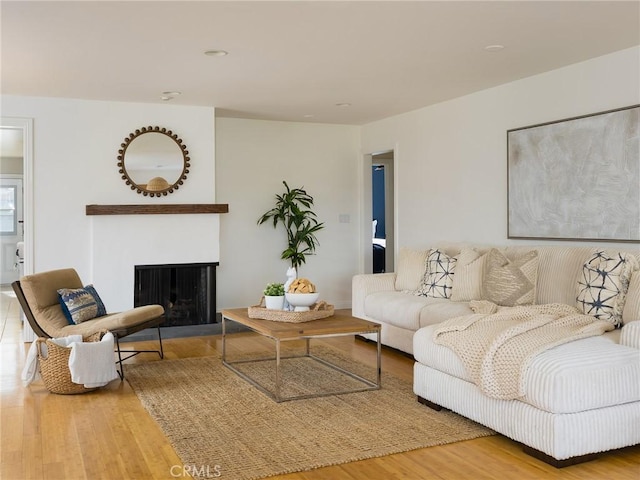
[
  {"x": 17, "y": 161},
  {"x": 382, "y": 209},
  {"x": 11, "y": 204}
]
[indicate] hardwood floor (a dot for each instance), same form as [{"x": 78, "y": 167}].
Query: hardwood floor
[{"x": 108, "y": 435}]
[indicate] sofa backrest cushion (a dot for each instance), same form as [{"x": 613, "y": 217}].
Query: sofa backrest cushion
[
  {"x": 559, "y": 269},
  {"x": 631, "y": 312},
  {"x": 410, "y": 270},
  {"x": 558, "y": 272}
]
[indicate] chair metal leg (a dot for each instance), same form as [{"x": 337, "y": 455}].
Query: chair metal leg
[{"x": 133, "y": 353}]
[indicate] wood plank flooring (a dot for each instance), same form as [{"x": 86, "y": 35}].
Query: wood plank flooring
[{"x": 108, "y": 435}]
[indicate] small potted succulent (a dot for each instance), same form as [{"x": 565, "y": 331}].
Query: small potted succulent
[{"x": 274, "y": 296}]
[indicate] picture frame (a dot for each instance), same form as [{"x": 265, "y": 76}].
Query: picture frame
[{"x": 576, "y": 179}]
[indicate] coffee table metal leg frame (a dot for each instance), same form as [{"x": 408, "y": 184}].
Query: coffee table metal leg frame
[{"x": 276, "y": 395}]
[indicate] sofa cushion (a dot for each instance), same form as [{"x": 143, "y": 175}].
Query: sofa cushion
[
  {"x": 561, "y": 379},
  {"x": 558, "y": 271},
  {"x": 630, "y": 335},
  {"x": 52, "y": 320},
  {"x": 410, "y": 269},
  {"x": 631, "y": 312},
  {"x": 603, "y": 285},
  {"x": 438, "y": 275},
  {"x": 396, "y": 308},
  {"x": 113, "y": 321},
  {"x": 467, "y": 281},
  {"x": 438, "y": 312},
  {"x": 40, "y": 289},
  {"x": 510, "y": 282}
]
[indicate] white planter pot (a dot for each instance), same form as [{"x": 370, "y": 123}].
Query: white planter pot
[{"x": 274, "y": 303}]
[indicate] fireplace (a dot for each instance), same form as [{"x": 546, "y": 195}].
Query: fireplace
[{"x": 186, "y": 291}]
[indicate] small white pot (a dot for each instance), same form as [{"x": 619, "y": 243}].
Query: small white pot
[{"x": 274, "y": 303}]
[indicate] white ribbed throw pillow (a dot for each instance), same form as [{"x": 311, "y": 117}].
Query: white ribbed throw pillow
[
  {"x": 410, "y": 268},
  {"x": 467, "y": 282}
]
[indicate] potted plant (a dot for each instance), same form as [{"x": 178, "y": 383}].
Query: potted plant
[
  {"x": 293, "y": 211},
  {"x": 274, "y": 296}
]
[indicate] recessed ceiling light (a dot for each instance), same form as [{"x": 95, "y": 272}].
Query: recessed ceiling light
[
  {"x": 343, "y": 105},
  {"x": 169, "y": 95},
  {"x": 494, "y": 48},
  {"x": 308, "y": 115},
  {"x": 216, "y": 53}
]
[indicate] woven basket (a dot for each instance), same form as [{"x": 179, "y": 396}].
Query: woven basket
[
  {"x": 54, "y": 368},
  {"x": 317, "y": 311}
]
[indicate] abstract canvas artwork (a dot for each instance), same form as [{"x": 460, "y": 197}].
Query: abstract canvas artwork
[{"x": 576, "y": 179}]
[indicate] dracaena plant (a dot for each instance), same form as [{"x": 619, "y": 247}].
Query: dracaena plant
[{"x": 293, "y": 210}]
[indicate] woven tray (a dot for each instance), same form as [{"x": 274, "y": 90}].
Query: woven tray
[
  {"x": 317, "y": 311},
  {"x": 54, "y": 368}
]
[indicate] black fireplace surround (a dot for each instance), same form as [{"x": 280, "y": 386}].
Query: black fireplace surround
[{"x": 186, "y": 291}]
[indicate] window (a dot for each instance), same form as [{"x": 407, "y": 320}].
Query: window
[{"x": 8, "y": 212}]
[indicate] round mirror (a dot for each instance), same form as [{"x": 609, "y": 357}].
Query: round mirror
[{"x": 153, "y": 161}]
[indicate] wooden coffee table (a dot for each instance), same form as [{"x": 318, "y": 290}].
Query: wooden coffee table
[{"x": 340, "y": 324}]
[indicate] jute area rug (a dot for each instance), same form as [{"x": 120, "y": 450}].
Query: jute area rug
[{"x": 216, "y": 421}]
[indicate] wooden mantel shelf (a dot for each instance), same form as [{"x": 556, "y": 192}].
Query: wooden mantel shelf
[{"x": 159, "y": 209}]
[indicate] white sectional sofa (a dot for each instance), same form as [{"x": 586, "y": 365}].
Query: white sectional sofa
[{"x": 578, "y": 398}]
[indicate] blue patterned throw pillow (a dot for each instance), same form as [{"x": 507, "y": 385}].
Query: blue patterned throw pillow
[
  {"x": 101, "y": 308},
  {"x": 603, "y": 285},
  {"x": 438, "y": 276},
  {"x": 81, "y": 304}
]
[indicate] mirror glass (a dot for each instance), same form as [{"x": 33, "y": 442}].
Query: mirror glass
[{"x": 153, "y": 161}]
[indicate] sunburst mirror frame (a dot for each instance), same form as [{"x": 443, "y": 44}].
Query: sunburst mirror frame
[{"x": 143, "y": 190}]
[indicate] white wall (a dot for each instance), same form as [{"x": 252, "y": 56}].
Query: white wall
[
  {"x": 253, "y": 157},
  {"x": 451, "y": 160},
  {"x": 75, "y": 148},
  {"x": 450, "y": 173}
]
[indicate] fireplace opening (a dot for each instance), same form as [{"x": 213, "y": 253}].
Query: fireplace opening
[{"x": 186, "y": 291}]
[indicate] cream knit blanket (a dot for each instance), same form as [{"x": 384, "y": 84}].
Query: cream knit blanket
[{"x": 496, "y": 344}]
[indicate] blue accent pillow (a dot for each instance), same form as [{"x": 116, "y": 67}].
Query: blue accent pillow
[
  {"x": 101, "y": 308},
  {"x": 80, "y": 304}
]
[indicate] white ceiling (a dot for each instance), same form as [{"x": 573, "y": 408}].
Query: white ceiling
[{"x": 290, "y": 59}]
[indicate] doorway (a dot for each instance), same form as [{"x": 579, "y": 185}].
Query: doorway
[
  {"x": 16, "y": 171},
  {"x": 382, "y": 212},
  {"x": 11, "y": 203}
]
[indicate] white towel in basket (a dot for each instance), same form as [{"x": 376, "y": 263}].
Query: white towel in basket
[
  {"x": 31, "y": 366},
  {"x": 91, "y": 363}
]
